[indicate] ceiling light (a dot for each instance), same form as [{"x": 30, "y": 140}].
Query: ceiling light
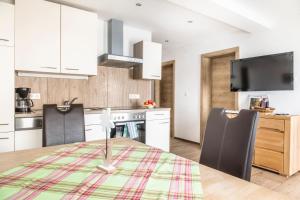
[{"x": 139, "y": 4}]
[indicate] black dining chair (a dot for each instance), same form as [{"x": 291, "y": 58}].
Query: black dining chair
[
  {"x": 63, "y": 127},
  {"x": 229, "y": 142}
]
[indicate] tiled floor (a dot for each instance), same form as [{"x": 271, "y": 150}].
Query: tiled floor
[{"x": 289, "y": 186}]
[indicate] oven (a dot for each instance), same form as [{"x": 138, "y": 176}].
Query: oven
[{"x": 130, "y": 125}]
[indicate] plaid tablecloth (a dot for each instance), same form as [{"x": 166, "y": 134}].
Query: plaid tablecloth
[{"x": 71, "y": 173}]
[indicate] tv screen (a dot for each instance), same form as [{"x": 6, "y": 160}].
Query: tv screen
[{"x": 264, "y": 73}]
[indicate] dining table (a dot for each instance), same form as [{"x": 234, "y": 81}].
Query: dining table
[{"x": 205, "y": 183}]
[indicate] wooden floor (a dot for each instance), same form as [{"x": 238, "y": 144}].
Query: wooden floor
[{"x": 289, "y": 186}]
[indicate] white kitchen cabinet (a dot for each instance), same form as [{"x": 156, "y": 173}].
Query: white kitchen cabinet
[
  {"x": 78, "y": 41},
  {"x": 94, "y": 129},
  {"x": 151, "y": 53},
  {"x": 28, "y": 139},
  {"x": 94, "y": 132},
  {"x": 6, "y": 142},
  {"x": 7, "y": 89},
  {"x": 37, "y": 36},
  {"x": 6, "y": 24},
  {"x": 158, "y": 129}
]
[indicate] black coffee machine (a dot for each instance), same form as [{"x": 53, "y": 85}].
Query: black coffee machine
[{"x": 23, "y": 101}]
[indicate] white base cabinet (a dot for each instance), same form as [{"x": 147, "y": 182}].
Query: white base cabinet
[
  {"x": 158, "y": 129},
  {"x": 6, "y": 142},
  {"x": 28, "y": 139},
  {"x": 93, "y": 127}
]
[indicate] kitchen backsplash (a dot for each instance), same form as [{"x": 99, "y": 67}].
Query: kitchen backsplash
[{"x": 110, "y": 88}]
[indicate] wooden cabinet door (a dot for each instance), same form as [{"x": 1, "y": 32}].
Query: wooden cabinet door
[
  {"x": 37, "y": 36},
  {"x": 158, "y": 134},
  {"x": 7, "y": 89},
  {"x": 152, "y": 56},
  {"x": 6, "y": 142},
  {"x": 29, "y": 139},
  {"x": 6, "y": 24},
  {"x": 78, "y": 41}
]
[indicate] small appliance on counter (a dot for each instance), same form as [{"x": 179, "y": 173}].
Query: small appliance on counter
[{"x": 23, "y": 101}]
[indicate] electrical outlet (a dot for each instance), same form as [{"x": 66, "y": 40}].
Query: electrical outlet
[
  {"x": 35, "y": 96},
  {"x": 134, "y": 96}
]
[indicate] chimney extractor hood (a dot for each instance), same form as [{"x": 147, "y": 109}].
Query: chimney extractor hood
[{"x": 114, "y": 57}]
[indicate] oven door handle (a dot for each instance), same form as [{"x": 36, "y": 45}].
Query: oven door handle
[{"x": 124, "y": 123}]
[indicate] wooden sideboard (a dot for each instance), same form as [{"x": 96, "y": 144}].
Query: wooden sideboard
[{"x": 277, "y": 146}]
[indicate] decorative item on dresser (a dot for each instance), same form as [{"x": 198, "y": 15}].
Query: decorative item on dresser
[{"x": 277, "y": 144}]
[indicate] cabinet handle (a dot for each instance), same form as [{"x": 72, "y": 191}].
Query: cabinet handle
[
  {"x": 164, "y": 123},
  {"x": 159, "y": 114},
  {"x": 71, "y": 69},
  {"x": 4, "y": 124},
  {"x": 88, "y": 129},
  {"x": 49, "y": 67},
  {"x": 4, "y": 138},
  {"x": 155, "y": 75},
  {"x": 5, "y": 40}
]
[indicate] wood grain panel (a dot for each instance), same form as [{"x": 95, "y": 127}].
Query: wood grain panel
[
  {"x": 96, "y": 89},
  {"x": 221, "y": 95},
  {"x": 270, "y": 139},
  {"x": 276, "y": 124},
  {"x": 58, "y": 90},
  {"x": 116, "y": 84},
  {"x": 111, "y": 87},
  {"x": 37, "y": 85},
  {"x": 271, "y": 160}
]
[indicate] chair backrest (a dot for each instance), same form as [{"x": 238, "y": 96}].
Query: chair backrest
[
  {"x": 63, "y": 127},
  {"x": 229, "y": 143}
]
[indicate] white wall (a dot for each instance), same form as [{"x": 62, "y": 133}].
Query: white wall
[
  {"x": 131, "y": 36},
  {"x": 282, "y": 38}
]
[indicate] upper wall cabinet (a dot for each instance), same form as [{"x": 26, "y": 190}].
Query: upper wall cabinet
[
  {"x": 78, "y": 41},
  {"x": 151, "y": 53},
  {"x": 6, "y": 24},
  {"x": 37, "y": 36}
]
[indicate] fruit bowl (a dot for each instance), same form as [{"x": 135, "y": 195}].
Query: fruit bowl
[{"x": 149, "y": 104}]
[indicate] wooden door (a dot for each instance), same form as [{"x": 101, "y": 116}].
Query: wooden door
[
  {"x": 167, "y": 91},
  {"x": 221, "y": 97}
]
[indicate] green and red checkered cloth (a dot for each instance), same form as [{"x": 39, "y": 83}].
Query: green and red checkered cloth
[{"x": 72, "y": 173}]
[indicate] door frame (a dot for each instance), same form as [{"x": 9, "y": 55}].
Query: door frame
[
  {"x": 157, "y": 92},
  {"x": 205, "y": 84}
]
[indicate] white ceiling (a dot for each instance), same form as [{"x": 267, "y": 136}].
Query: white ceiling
[{"x": 167, "y": 19}]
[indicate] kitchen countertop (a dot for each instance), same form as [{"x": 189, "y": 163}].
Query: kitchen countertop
[{"x": 39, "y": 113}]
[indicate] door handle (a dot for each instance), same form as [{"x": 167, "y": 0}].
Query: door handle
[
  {"x": 4, "y": 124},
  {"x": 5, "y": 40},
  {"x": 72, "y": 69},
  {"x": 4, "y": 138}
]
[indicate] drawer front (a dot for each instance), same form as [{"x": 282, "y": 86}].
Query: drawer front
[
  {"x": 269, "y": 159},
  {"x": 92, "y": 119},
  {"x": 28, "y": 139},
  {"x": 7, "y": 142},
  {"x": 157, "y": 115},
  {"x": 269, "y": 139},
  {"x": 94, "y": 132},
  {"x": 275, "y": 124}
]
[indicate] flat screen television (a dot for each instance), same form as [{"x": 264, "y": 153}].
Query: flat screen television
[{"x": 263, "y": 73}]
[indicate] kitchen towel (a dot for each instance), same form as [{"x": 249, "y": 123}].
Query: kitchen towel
[{"x": 132, "y": 130}]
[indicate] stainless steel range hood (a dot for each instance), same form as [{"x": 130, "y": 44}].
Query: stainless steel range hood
[{"x": 115, "y": 57}]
